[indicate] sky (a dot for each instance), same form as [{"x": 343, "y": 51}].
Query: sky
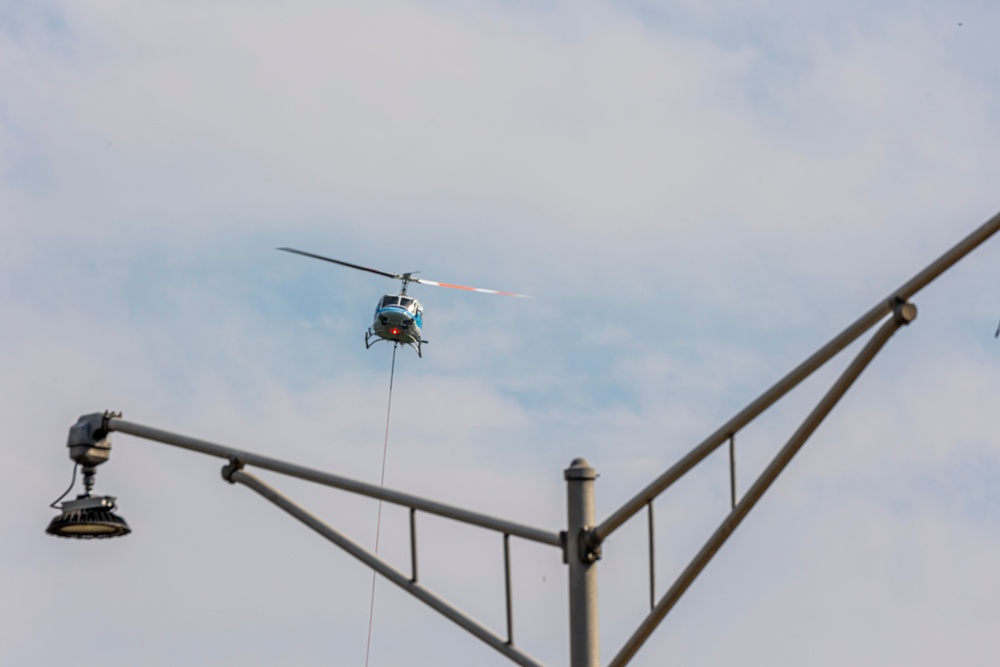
[{"x": 697, "y": 195}]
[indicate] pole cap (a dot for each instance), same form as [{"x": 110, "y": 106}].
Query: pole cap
[
  {"x": 580, "y": 469},
  {"x": 904, "y": 312}
]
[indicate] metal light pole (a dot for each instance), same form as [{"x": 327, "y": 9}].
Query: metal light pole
[
  {"x": 91, "y": 516},
  {"x": 583, "y": 626}
]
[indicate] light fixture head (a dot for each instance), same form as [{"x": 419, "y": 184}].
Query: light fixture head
[
  {"x": 88, "y": 517},
  {"x": 88, "y": 440}
]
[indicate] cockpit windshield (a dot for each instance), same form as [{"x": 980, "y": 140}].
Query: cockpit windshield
[{"x": 399, "y": 301}]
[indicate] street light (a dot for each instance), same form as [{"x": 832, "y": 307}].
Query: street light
[
  {"x": 89, "y": 516},
  {"x": 581, "y": 541}
]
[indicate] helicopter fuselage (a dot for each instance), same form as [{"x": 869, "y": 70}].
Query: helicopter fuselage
[{"x": 398, "y": 318}]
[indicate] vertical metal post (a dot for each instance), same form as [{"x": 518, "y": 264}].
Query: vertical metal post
[
  {"x": 652, "y": 557},
  {"x": 732, "y": 471},
  {"x": 506, "y": 583},
  {"x": 413, "y": 544},
  {"x": 582, "y": 561}
]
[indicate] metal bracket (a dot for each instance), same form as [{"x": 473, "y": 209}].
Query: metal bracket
[
  {"x": 588, "y": 549},
  {"x": 108, "y": 416},
  {"x": 90, "y": 502},
  {"x": 88, "y": 439},
  {"x": 903, "y": 312},
  {"x": 233, "y": 466}
]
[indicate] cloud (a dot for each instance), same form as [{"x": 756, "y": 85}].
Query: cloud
[{"x": 698, "y": 197}]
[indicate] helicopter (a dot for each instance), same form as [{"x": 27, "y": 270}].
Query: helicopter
[{"x": 398, "y": 317}]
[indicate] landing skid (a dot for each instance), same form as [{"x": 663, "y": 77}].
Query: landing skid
[{"x": 370, "y": 334}]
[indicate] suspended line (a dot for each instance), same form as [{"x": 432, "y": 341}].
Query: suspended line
[
  {"x": 71, "y": 484},
  {"x": 378, "y": 525}
]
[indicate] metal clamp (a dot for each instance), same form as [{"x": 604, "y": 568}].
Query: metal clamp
[
  {"x": 903, "y": 311},
  {"x": 228, "y": 470},
  {"x": 588, "y": 549}
]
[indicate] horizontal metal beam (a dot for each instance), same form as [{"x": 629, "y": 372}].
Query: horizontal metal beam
[
  {"x": 904, "y": 315},
  {"x": 395, "y": 576},
  {"x": 335, "y": 481},
  {"x": 796, "y": 376}
]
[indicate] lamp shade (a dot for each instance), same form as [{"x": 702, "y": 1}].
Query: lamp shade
[{"x": 88, "y": 517}]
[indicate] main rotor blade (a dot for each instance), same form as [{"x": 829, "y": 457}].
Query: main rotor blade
[
  {"x": 468, "y": 289},
  {"x": 337, "y": 261}
]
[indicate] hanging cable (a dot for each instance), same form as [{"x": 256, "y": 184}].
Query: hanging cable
[
  {"x": 378, "y": 524},
  {"x": 72, "y": 482}
]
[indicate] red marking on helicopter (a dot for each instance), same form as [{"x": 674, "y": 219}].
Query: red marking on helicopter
[{"x": 469, "y": 289}]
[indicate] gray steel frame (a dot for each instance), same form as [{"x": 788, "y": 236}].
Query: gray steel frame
[
  {"x": 904, "y": 315},
  {"x": 905, "y": 292},
  {"x": 335, "y": 481},
  {"x": 233, "y": 472},
  {"x": 581, "y": 542},
  {"x": 409, "y": 584}
]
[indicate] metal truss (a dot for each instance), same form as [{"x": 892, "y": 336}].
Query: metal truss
[{"x": 582, "y": 539}]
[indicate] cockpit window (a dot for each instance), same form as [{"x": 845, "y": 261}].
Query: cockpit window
[{"x": 390, "y": 301}]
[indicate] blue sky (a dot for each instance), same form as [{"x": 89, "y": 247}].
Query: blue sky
[{"x": 698, "y": 197}]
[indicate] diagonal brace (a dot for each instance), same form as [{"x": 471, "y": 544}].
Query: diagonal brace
[
  {"x": 382, "y": 567},
  {"x": 902, "y": 294},
  {"x": 903, "y": 314}
]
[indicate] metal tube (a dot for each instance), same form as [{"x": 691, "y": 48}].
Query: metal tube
[
  {"x": 652, "y": 558},
  {"x": 335, "y": 481},
  {"x": 797, "y": 375},
  {"x": 507, "y": 588},
  {"x": 732, "y": 471},
  {"x": 413, "y": 544},
  {"x": 383, "y": 568},
  {"x": 583, "y": 626},
  {"x": 905, "y": 314}
]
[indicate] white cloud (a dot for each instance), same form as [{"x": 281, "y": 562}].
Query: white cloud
[{"x": 698, "y": 198}]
